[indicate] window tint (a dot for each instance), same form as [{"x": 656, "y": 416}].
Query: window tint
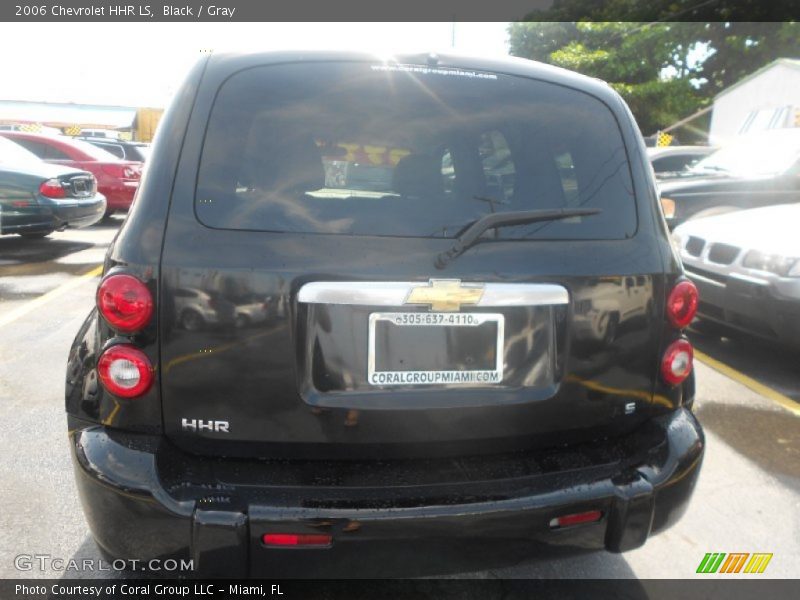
[
  {"x": 114, "y": 149},
  {"x": 359, "y": 149},
  {"x": 92, "y": 151},
  {"x": 569, "y": 182},
  {"x": 498, "y": 167},
  {"x": 448, "y": 172},
  {"x": 12, "y": 153},
  {"x": 37, "y": 148},
  {"x": 53, "y": 153},
  {"x": 673, "y": 163}
]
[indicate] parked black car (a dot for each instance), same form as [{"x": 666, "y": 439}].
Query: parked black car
[
  {"x": 756, "y": 170},
  {"x": 37, "y": 198},
  {"x": 422, "y": 373},
  {"x": 124, "y": 149}
]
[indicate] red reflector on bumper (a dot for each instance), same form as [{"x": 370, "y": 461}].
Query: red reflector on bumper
[
  {"x": 294, "y": 539},
  {"x": 576, "y": 519}
]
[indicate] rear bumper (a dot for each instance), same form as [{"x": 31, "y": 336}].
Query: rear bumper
[
  {"x": 120, "y": 195},
  {"x": 144, "y": 499},
  {"x": 50, "y": 215}
]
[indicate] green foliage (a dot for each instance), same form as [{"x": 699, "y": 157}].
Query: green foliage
[
  {"x": 664, "y": 70},
  {"x": 741, "y": 48},
  {"x": 666, "y": 10}
]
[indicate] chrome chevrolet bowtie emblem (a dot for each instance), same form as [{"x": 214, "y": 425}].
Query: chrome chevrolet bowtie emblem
[{"x": 445, "y": 294}]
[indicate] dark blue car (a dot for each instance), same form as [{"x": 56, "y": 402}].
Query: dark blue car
[{"x": 37, "y": 198}]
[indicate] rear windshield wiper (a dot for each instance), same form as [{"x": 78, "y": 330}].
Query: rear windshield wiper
[{"x": 506, "y": 219}]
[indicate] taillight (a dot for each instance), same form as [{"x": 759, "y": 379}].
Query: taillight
[
  {"x": 296, "y": 539},
  {"x": 590, "y": 516},
  {"x": 682, "y": 304},
  {"x": 122, "y": 171},
  {"x": 124, "y": 302},
  {"x": 125, "y": 371},
  {"x": 132, "y": 172},
  {"x": 52, "y": 188},
  {"x": 676, "y": 364}
]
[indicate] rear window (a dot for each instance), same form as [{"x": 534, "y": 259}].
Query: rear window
[
  {"x": 95, "y": 153},
  {"x": 393, "y": 150},
  {"x": 678, "y": 162},
  {"x": 12, "y": 153},
  {"x": 114, "y": 149}
]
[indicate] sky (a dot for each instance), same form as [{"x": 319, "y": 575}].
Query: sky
[{"x": 136, "y": 64}]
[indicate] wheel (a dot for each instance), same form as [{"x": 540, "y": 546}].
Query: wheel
[
  {"x": 241, "y": 321},
  {"x": 36, "y": 235},
  {"x": 192, "y": 320},
  {"x": 107, "y": 215}
]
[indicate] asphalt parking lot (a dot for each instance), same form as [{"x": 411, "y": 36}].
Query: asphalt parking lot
[{"x": 748, "y": 400}]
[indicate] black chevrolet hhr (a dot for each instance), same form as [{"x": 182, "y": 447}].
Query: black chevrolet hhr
[{"x": 433, "y": 303}]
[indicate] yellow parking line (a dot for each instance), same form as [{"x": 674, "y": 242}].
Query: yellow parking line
[
  {"x": 47, "y": 297},
  {"x": 641, "y": 395},
  {"x": 759, "y": 388}
]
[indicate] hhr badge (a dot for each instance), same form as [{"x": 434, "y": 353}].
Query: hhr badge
[
  {"x": 445, "y": 294},
  {"x": 199, "y": 426}
]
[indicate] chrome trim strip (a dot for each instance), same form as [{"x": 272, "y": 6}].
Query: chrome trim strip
[
  {"x": 394, "y": 293},
  {"x": 704, "y": 279}
]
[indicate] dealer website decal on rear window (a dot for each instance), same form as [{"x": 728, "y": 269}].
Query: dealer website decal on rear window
[{"x": 433, "y": 71}]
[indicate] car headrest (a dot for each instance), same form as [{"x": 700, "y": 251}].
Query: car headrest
[
  {"x": 418, "y": 175},
  {"x": 287, "y": 162}
]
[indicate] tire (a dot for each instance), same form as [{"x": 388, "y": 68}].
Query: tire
[
  {"x": 36, "y": 235},
  {"x": 107, "y": 216},
  {"x": 241, "y": 321},
  {"x": 191, "y": 320}
]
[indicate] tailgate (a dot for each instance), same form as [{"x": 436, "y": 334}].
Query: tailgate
[
  {"x": 304, "y": 307},
  {"x": 328, "y": 366}
]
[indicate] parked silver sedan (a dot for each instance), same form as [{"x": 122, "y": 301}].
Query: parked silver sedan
[{"x": 746, "y": 265}]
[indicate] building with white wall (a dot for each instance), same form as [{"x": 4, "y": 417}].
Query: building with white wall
[{"x": 766, "y": 99}]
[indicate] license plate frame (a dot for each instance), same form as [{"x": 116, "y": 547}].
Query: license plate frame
[{"x": 461, "y": 378}]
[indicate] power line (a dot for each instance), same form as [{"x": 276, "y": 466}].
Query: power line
[{"x": 665, "y": 18}]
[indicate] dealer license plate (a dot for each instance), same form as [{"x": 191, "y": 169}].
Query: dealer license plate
[{"x": 435, "y": 348}]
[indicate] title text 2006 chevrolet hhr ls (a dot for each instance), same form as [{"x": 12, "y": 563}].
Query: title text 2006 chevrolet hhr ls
[{"x": 363, "y": 306}]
